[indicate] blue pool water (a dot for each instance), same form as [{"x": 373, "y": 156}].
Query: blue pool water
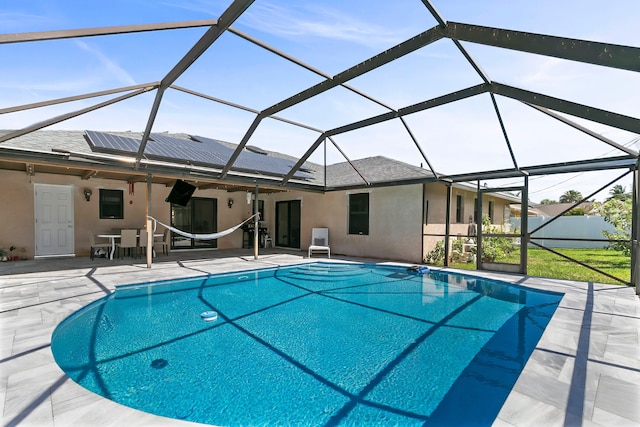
[{"x": 313, "y": 344}]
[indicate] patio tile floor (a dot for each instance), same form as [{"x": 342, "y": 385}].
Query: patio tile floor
[{"x": 585, "y": 369}]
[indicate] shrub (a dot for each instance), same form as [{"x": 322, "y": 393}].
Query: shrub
[
  {"x": 436, "y": 256},
  {"x": 494, "y": 247},
  {"x": 618, "y": 213}
]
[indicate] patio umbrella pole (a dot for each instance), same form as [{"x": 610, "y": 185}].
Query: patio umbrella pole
[{"x": 256, "y": 230}]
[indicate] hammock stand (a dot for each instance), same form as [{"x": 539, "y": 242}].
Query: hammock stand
[{"x": 211, "y": 236}]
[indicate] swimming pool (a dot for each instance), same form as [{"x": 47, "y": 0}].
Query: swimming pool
[{"x": 310, "y": 344}]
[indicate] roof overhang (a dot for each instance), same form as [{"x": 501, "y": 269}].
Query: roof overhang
[{"x": 89, "y": 165}]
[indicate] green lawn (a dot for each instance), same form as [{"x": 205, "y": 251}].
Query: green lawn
[{"x": 546, "y": 264}]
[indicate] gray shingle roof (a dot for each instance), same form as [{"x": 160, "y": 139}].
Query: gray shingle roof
[
  {"x": 555, "y": 209},
  {"x": 71, "y": 140},
  {"x": 376, "y": 169}
]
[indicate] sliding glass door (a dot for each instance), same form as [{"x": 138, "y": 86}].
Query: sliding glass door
[
  {"x": 288, "y": 224},
  {"x": 198, "y": 216}
]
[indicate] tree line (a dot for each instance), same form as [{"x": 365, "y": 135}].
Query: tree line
[{"x": 617, "y": 192}]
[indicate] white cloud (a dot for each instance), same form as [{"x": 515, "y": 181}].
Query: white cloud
[
  {"x": 111, "y": 66},
  {"x": 10, "y": 21},
  {"x": 316, "y": 21},
  {"x": 72, "y": 85},
  {"x": 199, "y": 6},
  {"x": 549, "y": 70}
]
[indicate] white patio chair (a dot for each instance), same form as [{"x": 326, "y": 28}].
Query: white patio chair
[
  {"x": 143, "y": 236},
  {"x": 129, "y": 242},
  {"x": 164, "y": 241},
  {"x": 320, "y": 241}
]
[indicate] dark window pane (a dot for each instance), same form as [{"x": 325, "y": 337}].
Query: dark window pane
[
  {"x": 491, "y": 211},
  {"x": 459, "y": 208},
  {"x": 426, "y": 212},
  {"x": 475, "y": 210},
  {"x": 359, "y": 213},
  {"x": 111, "y": 204}
]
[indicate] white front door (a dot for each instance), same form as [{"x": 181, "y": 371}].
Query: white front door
[{"x": 54, "y": 220}]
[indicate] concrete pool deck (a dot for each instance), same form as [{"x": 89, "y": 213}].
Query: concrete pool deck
[{"x": 585, "y": 369}]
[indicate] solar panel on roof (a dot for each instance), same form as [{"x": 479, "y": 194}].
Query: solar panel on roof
[
  {"x": 255, "y": 162},
  {"x": 197, "y": 150},
  {"x": 186, "y": 149},
  {"x": 108, "y": 142}
]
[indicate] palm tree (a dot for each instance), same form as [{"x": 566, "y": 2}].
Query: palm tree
[
  {"x": 571, "y": 196},
  {"x": 618, "y": 192}
]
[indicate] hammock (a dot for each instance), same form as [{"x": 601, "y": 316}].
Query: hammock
[{"x": 211, "y": 236}]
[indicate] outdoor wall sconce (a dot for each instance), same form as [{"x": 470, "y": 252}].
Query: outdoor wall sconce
[
  {"x": 87, "y": 194},
  {"x": 248, "y": 198},
  {"x": 230, "y": 203}
]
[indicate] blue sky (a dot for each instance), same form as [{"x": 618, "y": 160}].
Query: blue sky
[{"x": 332, "y": 36}]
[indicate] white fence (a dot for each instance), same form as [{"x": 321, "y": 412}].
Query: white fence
[{"x": 572, "y": 227}]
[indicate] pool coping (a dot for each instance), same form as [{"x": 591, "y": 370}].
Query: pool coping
[{"x": 584, "y": 370}]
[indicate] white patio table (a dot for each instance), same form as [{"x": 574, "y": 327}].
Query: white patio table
[{"x": 113, "y": 238}]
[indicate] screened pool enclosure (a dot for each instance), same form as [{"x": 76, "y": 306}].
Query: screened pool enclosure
[{"x": 455, "y": 98}]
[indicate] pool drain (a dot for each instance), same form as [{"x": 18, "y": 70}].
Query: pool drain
[
  {"x": 159, "y": 363},
  {"x": 209, "y": 316}
]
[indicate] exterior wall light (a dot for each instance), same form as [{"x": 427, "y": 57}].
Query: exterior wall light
[
  {"x": 87, "y": 194},
  {"x": 230, "y": 203}
]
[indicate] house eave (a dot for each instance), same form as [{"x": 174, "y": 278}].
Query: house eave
[{"x": 122, "y": 168}]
